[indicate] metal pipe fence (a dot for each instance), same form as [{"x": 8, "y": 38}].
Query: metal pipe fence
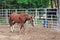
[{"x": 37, "y": 12}]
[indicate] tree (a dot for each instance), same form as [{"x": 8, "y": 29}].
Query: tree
[
  {"x": 33, "y": 4},
  {"x": 16, "y": 4},
  {"x": 54, "y": 3}
]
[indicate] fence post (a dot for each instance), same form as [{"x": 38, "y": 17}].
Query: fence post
[
  {"x": 57, "y": 20},
  {"x": 6, "y": 15},
  {"x": 36, "y": 16},
  {"x": 59, "y": 15},
  {"x": 16, "y": 10},
  {"x": 26, "y": 11},
  {"x": 51, "y": 20}
]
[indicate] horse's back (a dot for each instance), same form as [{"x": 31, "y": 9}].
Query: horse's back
[
  {"x": 18, "y": 18},
  {"x": 14, "y": 17},
  {"x": 26, "y": 16}
]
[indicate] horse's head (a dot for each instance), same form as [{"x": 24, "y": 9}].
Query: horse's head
[{"x": 32, "y": 20}]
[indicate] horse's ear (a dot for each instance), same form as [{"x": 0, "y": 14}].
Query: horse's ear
[{"x": 32, "y": 16}]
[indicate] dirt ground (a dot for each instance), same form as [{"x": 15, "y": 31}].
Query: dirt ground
[{"x": 36, "y": 33}]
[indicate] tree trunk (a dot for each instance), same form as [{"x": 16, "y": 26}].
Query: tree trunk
[{"x": 51, "y": 3}]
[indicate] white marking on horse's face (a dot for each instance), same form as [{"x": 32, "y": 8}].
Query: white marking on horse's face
[{"x": 33, "y": 19}]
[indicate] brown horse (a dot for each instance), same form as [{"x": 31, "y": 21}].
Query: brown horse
[{"x": 21, "y": 19}]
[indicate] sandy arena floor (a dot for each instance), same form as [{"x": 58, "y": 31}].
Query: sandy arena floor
[{"x": 36, "y": 33}]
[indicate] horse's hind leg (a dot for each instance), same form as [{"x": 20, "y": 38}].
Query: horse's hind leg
[{"x": 12, "y": 26}]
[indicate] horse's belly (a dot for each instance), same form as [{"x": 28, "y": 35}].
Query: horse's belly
[{"x": 16, "y": 21}]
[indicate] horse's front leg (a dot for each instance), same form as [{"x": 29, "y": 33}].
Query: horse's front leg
[{"x": 22, "y": 28}]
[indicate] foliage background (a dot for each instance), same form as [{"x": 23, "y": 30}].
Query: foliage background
[{"x": 16, "y": 4}]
